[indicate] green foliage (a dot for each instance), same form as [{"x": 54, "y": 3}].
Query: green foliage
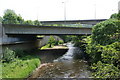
[
  {"x": 20, "y": 68},
  {"x": 111, "y": 54},
  {"x": 60, "y": 42},
  {"x": 106, "y": 32},
  {"x": 1, "y": 19},
  {"x": 103, "y": 70},
  {"x": 20, "y": 53},
  {"x": 0, "y": 70},
  {"x": 29, "y": 22},
  {"x": 36, "y": 22},
  {"x": 52, "y": 41},
  {"x": 118, "y": 16},
  {"x": 68, "y": 38},
  {"x": 8, "y": 55},
  {"x": 20, "y": 20},
  {"x": 46, "y": 46},
  {"x": 103, "y": 48},
  {"x": 64, "y": 25},
  {"x": 115, "y": 16},
  {"x": 10, "y": 17}
]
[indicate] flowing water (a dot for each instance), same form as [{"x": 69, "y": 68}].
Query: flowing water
[{"x": 65, "y": 66}]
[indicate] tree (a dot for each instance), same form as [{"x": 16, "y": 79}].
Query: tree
[
  {"x": 36, "y": 22},
  {"x": 106, "y": 32},
  {"x": 10, "y": 17},
  {"x": 29, "y": 22},
  {"x": 103, "y": 48},
  {"x": 20, "y": 19},
  {"x": 115, "y": 16}
]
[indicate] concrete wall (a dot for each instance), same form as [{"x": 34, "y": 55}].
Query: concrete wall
[{"x": 25, "y": 45}]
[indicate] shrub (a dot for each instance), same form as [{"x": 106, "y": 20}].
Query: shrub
[
  {"x": 20, "y": 68},
  {"x": 103, "y": 48},
  {"x": 106, "y": 32},
  {"x": 60, "y": 42},
  {"x": 8, "y": 55},
  {"x": 103, "y": 70}
]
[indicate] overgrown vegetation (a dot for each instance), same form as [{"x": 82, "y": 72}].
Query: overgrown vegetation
[
  {"x": 18, "y": 64},
  {"x": 103, "y": 48}
]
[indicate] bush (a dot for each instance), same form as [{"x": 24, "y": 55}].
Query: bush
[
  {"x": 20, "y": 53},
  {"x": 60, "y": 42},
  {"x": 106, "y": 32},
  {"x": 20, "y": 68},
  {"x": 103, "y": 48},
  {"x": 103, "y": 70},
  {"x": 51, "y": 41},
  {"x": 8, "y": 55}
]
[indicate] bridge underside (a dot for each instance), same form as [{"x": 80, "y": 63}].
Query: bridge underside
[{"x": 13, "y": 29}]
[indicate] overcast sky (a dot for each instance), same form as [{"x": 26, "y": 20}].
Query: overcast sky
[{"x": 45, "y": 10}]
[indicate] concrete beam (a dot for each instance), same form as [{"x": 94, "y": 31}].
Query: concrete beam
[
  {"x": 13, "y": 29},
  {"x": 89, "y": 22}
]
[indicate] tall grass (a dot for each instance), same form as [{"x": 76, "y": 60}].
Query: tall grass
[{"x": 20, "y": 67}]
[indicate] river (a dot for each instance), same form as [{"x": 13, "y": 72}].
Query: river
[{"x": 63, "y": 66}]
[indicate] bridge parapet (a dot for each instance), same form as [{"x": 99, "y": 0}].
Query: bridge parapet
[
  {"x": 13, "y": 29},
  {"x": 89, "y": 22}
]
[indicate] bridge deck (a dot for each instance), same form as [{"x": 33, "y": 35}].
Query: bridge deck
[
  {"x": 15, "y": 29},
  {"x": 90, "y": 22}
]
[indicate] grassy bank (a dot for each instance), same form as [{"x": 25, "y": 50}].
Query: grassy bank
[{"x": 20, "y": 66}]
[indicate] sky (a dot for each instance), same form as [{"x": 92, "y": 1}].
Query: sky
[{"x": 51, "y": 10}]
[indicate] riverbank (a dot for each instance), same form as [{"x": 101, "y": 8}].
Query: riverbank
[
  {"x": 62, "y": 66},
  {"x": 20, "y": 67},
  {"x": 56, "y": 47}
]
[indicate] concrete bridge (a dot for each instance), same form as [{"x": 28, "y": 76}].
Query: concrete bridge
[
  {"x": 89, "y": 22},
  {"x": 15, "y": 29},
  {"x": 16, "y": 36}
]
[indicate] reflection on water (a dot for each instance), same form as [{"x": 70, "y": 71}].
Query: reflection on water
[{"x": 65, "y": 66}]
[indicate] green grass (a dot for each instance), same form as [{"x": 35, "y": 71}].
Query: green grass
[
  {"x": 46, "y": 46},
  {"x": 0, "y": 70},
  {"x": 20, "y": 68}
]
